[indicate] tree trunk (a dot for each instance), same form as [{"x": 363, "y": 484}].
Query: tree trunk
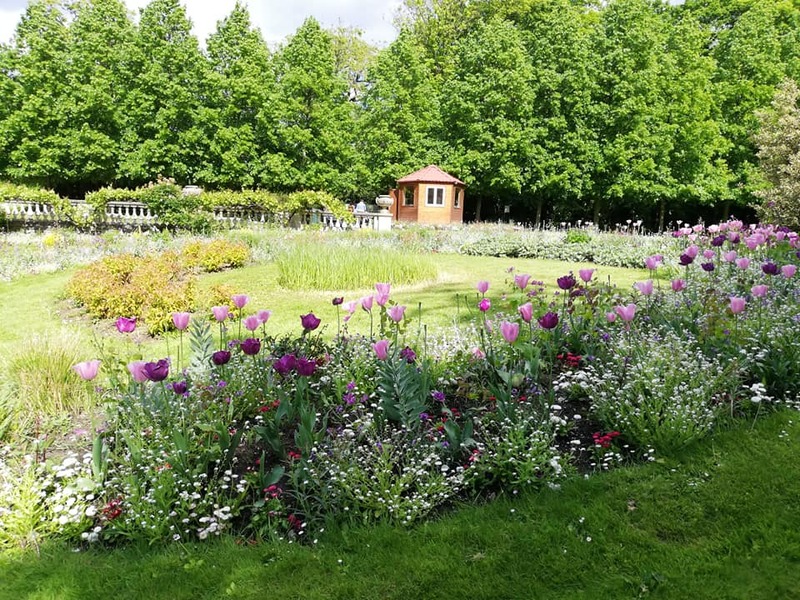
[
  {"x": 538, "y": 219},
  {"x": 598, "y": 205},
  {"x": 478, "y": 210},
  {"x": 662, "y": 208}
]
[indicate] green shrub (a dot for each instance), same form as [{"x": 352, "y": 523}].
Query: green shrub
[
  {"x": 577, "y": 236},
  {"x": 176, "y": 211},
  {"x": 309, "y": 267},
  {"x": 216, "y": 255},
  {"x": 149, "y": 288}
]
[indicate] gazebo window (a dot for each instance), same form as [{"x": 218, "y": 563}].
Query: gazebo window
[
  {"x": 408, "y": 197},
  {"x": 435, "y": 196},
  {"x": 457, "y": 199}
]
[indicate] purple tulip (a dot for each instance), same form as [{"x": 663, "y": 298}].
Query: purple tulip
[
  {"x": 707, "y": 266},
  {"x": 220, "y": 312},
  {"x": 251, "y": 346},
  {"x": 221, "y": 357},
  {"x": 136, "y": 369},
  {"x": 685, "y": 260},
  {"x": 485, "y": 304},
  {"x": 179, "y": 387},
  {"x": 396, "y": 313},
  {"x": 87, "y": 370},
  {"x": 408, "y": 355},
  {"x": 509, "y": 331},
  {"x": 718, "y": 241},
  {"x": 181, "y": 320},
  {"x": 548, "y": 320},
  {"x": 483, "y": 286},
  {"x": 309, "y": 322},
  {"x": 338, "y": 301},
  {"x": 156, "y": 371},
  {"x": 567, "y": 282},
  {"x": 306, "y": 367},
  {"x": 285, "y": 364},
  {"x": 125, "y": 325},
  {"x": 770, "y": 268},
  {"x": 526, "y": 312},
  {"x": 381, "y": 349},
  {"x": 240, "y": 300}
]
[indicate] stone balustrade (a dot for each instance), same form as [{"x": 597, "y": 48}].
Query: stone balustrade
[{"x": 137, "y": 214}]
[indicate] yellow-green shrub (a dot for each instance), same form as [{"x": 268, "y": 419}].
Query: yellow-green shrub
[
  {"x": 216, "y": 255},
  {"x": 150, "y": 288}
]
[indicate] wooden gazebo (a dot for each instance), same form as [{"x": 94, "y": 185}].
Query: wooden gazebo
[{"x": 429, "y": 196}]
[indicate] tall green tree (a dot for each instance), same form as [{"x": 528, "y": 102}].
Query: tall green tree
[
  {"x": 313, "y": 118},
  {"x": 168, "y": 101},
  {"x": 487, "y": 113},
  {"x": 400, "y": 115},
  {"x": 242, "y": 83},
  {"x": 35, "y": 69},
  {"x": 778, "y": 142}
]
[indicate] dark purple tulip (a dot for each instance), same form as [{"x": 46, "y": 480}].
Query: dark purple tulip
[
  {"x": 408, "y": 355},
  {"x": 734, "y": 238},
  {"x": 770, "y": 268},
  {"x": 309, "y": 322},
  {"x": 337, "y": 301},
  {"x": 797, "y": 254},
  {"x": 179, "y": 387},
  {"x": 567, "y": 282},
  {"x": 548, "y": 320},
  {"x": 306, "y": 367},
  {"x": 156, "y": 371},
  {"x": 718, "y": 241},
  {"x": 251, "y": 346},
  {"x": 221, "y": 357},
  {"x": 125, "y": 325},
  {"x": 285, "y": 363},
  {"x": 685, "y": 260},
  {"x": 707, "y": 267}
]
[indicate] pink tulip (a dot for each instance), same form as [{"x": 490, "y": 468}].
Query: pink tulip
[
  {"x": 780, "y": 235},
  {"x": 251, "y": 323},
  {"x": 87, "y": 370},
  {"x": 350, "y": 308},
  {"x": 652, "y": 262},
  {"x": 737, "y": 305},
  {"x": 485, "y": 304},
  {"x": 383, "y": 289},
  {"x": 692, "y": 251},
  {"x": 181, "y": 320},
  {"x": 743, "y": 263},
  {"x": 381, "y": 299},
  {"x": 483, "y": 286},
  {"x": 366, "y": 303},
  {"x": 729, "y": 256},
  {"x": 645, "y": 287},
  {"x": 526, "y": 312},
  {"x": 521, "y": 281},
  {"x": 263, "y": 316},
  {"x": 788, "y": 271},
  {"x": 611, "y": 317},
  {"x": 759, "y": 291},
  {"x": 678, "y": 285},
  {"x": 396, "y": 313},
  {"x": 240, "y": 300},
  {"x": 708, "y": 254},
  {"x": 381, "y": 349},
  {"x": 586, "y": 275},
  {"x": 510, "y": 331},
  {"x": 478, "y": 354},
  {"x": 136, "y": 369},
  {"x": 220, "y": 312},
  {"x": 626, "y": 313},
  {"x": 125, "y": 325},
  {"x": 697, "y": 228}
]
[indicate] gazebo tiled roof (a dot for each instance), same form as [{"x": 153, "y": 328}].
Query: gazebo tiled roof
[{"x": 430, "y": 174}]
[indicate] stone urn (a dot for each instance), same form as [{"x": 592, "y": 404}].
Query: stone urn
[
  {"x": 192, "y": 190},
  {"x": 384, "y": 202}
]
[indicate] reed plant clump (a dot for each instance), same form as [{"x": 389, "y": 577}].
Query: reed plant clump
[{"x": 314, "y": 267}]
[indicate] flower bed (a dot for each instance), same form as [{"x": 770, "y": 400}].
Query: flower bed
[{"x": 268, "y": 437}]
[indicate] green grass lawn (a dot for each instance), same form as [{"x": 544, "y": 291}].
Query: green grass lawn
[{"x": 720, "y": 521}]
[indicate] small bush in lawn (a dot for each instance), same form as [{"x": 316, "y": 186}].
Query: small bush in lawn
[
  {"x": 39, "y": 379},
  {"x": 125, "y": 285},
  {"x": 307, "y": 267},
  {"x": 577, "y": 236},
  {"x": 215, "y": 255}
]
